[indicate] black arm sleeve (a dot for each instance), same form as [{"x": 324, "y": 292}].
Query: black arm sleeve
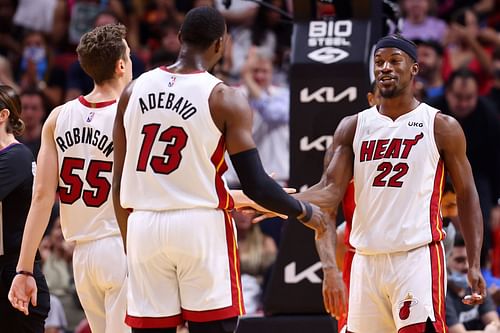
[{"x": 261, "y": 188}]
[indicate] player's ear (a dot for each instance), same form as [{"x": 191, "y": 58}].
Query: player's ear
[
  {"x": 218, "y": 44},
  {"x": 414, "y": 68},
  {"x": 120, "y": 66}
]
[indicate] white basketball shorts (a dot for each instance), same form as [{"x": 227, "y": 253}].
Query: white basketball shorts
[
  {"x": 183, "y": 265},
  {"x": 397, "y": 292}
]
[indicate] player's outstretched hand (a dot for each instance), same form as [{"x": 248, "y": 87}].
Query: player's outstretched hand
[
  {"x": 314, "y": 218},
  {"x": 334, "y": 292},
  {"x": 478, "y": 287},
  {"x": 22, "y": 290}
]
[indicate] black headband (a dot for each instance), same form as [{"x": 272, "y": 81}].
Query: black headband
[{"x": 398, "y": 43}]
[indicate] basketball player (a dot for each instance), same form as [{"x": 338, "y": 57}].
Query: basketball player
[
  {"x": 398, "y": 153},
  {"x": 76, "y": 157},
  {"x": 17, "y": 167},
  {"x": 171, "y": 131}
]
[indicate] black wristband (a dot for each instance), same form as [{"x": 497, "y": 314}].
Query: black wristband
[
  {"x": 25, "y": 273},
  {"x": 308, "y": 213}
]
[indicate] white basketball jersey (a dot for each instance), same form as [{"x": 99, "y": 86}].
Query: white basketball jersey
[
  {"x": 84, "y": 140},
  {"x": 398, "y": 180},
  {"x": 175, "y": 152}
]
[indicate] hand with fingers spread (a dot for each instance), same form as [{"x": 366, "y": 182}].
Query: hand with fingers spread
[
  {"x": 334, "y": 292},
  {"x": 22, "y": 291}
]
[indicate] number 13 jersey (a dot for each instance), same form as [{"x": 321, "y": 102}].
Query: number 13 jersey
[
  {"x": 175, "y": 152},
  {"x": 84, "y": 143},
  {"x": 398, "y": 180}
]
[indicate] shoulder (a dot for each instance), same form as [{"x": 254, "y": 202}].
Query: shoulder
[
  {"x": 227, "y": 98},
  {"x": 51, "y": 121},
  {"x": 447, "y": 132},
  {"x": 349, "y": 123},
  {"x": 446, "y": 124},
  {"x": 344, "y": 134}
]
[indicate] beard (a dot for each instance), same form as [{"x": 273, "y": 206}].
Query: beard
[{"x": 390, "y": 92}]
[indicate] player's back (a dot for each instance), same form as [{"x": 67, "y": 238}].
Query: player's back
[
  {"x": 84, "y": 141},
  {"x": 175, "y": 152}
]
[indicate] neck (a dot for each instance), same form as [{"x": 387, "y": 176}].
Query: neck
[
  {"x": 106, "y": 91},
  {"x": 6, "y": 139},
  {"x": 190, "y": 61},
  {"x": 398, "y": 106}
]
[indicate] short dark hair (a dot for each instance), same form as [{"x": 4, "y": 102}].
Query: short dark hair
[
  {"x": 433, "y": 44},
  {"x": 100, "y": 49},
  {"x": 9, "y": 100},
  {"x": 459, "y": 240},
  {"x": 461, "y": 73},
  {"x": 202, "y": 26},
  {"x": 448, "y": 187}
]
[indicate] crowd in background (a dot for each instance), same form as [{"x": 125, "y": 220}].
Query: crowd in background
[{"x": 458, "y": 52}]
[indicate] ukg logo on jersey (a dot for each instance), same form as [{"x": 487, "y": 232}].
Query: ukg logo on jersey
[{"x": 329, "y": 36}]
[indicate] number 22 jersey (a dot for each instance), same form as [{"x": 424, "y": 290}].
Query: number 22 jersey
[
  {"x": 84, "y": 143},
  {"x": 398, "y": 181},
  {"x": 175, "y": 152}
]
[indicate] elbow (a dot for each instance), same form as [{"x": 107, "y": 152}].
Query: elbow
[{"x": 43, "y": 198}]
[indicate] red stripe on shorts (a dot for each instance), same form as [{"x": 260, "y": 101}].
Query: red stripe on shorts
[
  {"x": 438, "y": 286},
  {"x": 438, "y": 293},
  {"x": 237, "y": 308}
]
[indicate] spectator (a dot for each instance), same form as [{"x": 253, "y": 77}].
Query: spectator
[
  {"x": 430, "y": 60},
  {"x": 56, "y": 321},
  {"x": 271, "y": 105},
  {"x": 34, "y": 108},
  {"x": 169, "y": 46},
  {"x": 482, "y": 133},
  {"x": 419, "y": 24},
  {"x": 449, "y": 212},
  {"x": 494, "y": 95},
  {"x": 257, "y": 254},
  {"x": 38, "y": 69},
  {"x": 463, "y": 49},
  {"x": 461, "y": 317}
]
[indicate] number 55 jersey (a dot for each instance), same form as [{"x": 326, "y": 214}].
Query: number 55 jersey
[
  {"x": 176, "y": 159},
  {"x": 84, "y": 143},
  {"x": 398, "y": 181}
]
